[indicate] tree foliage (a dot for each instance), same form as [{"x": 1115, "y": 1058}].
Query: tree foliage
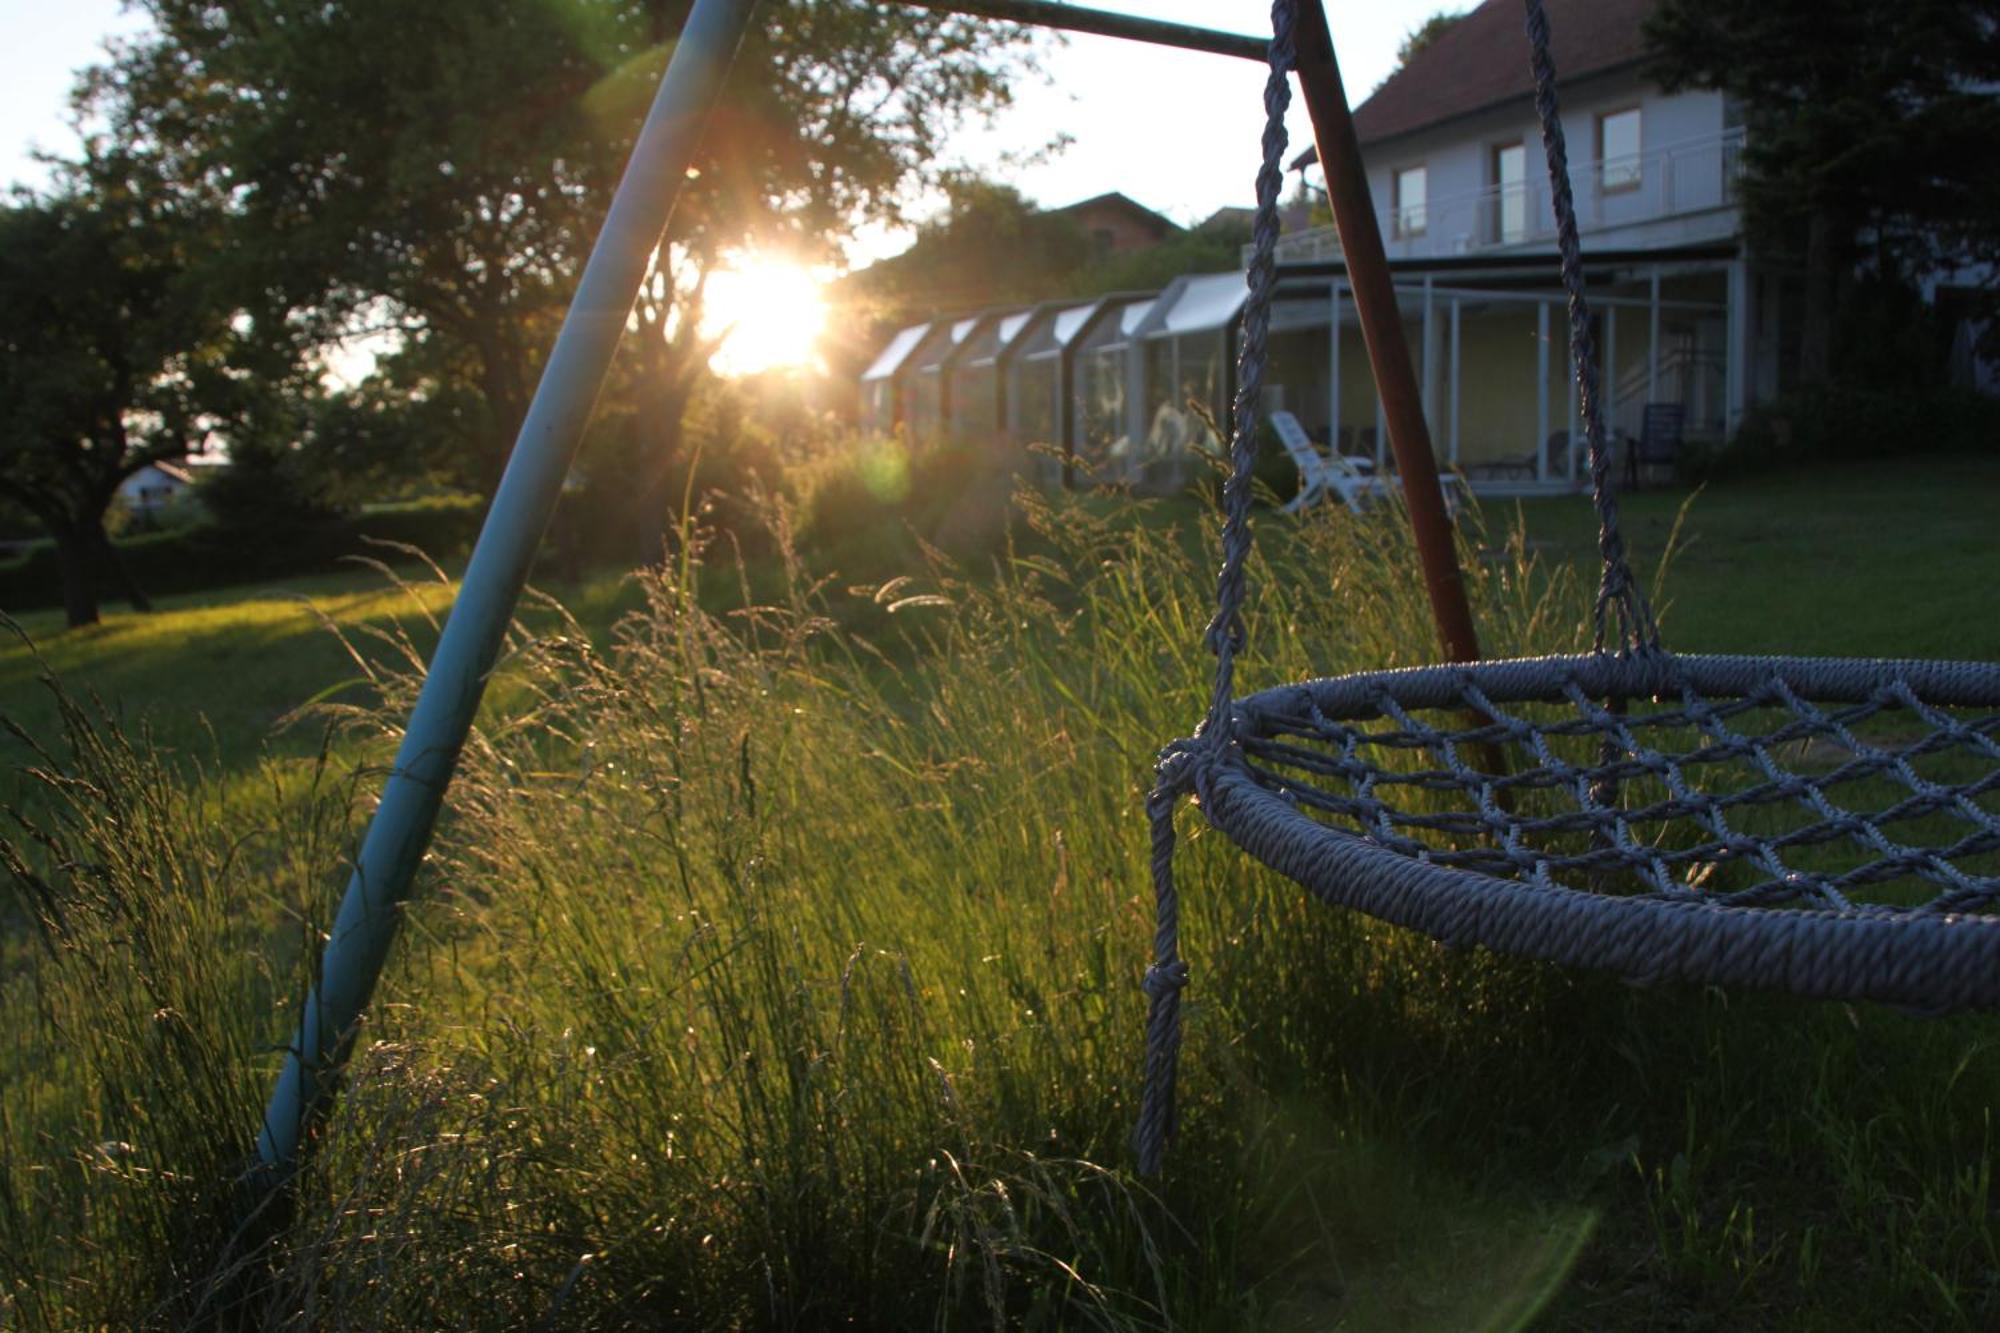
[
  {"x": 441, "y": 168},
  {"x": 989, "y": 245},
  {"x": 1215, "y": 248},
  {"x": 1870, "y": 133},
  {"x": 120, "y": 346},
  {"x": 1420, "y": 38}
]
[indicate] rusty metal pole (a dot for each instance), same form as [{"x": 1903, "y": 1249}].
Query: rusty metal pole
[{"x": 1382, "y": 330}]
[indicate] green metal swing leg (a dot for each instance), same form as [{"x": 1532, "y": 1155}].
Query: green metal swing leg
[{"x": 400, "y": 832}]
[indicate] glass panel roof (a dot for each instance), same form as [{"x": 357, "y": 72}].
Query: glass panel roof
[
  {"x": 1206, "y": 301},
  {"x": 1069, "y": 321},
  {"x": 942, "y": 342},
  {"x": 893, "y": 356},
  {"x": 1131, "y": 315}
]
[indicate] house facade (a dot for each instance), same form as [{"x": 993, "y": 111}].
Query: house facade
[{"x": 1452, "y": 151}]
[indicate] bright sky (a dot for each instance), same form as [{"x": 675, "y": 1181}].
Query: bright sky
[
  {"x": 1178, "y": 130},
  {"x": 1175, "y": 130}
]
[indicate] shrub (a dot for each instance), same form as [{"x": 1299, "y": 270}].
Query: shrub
[
  {"x": 214, "y": 555},
  {"x": 1844, "y": 421},
  {"x": 885, "y": 491}
]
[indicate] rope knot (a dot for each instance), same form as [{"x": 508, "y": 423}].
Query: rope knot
[
  {"x": 1173, "y": 776},
  {"x": 1229, "y": 636},
  {"x": 1164, "y": 979}
]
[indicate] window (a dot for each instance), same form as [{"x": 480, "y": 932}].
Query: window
[
  {"x": 1407, "y": 190},
  {"x": 1618, "y": 150},
  {"x": 1510, "y": 193}
]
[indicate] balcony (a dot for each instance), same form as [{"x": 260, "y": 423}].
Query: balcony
[{"x": 1678, "y": 194}]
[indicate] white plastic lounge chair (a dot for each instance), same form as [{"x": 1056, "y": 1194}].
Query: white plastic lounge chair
[{"x": 1355, "y": 484}]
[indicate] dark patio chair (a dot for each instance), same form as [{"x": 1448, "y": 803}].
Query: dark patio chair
[{"x": 1661, "y": 426}]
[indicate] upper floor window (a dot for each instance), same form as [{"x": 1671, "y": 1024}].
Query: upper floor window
[
  {"x": 1510, "y": 192},
  {"x": 1408, "y": 188},
  {"x": 1618, "y": 150}
]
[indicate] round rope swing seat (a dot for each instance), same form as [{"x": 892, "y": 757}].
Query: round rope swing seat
[{"x": 1822, "y": 826}]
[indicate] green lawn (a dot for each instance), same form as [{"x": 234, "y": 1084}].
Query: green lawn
[
  {"x": 781, "y": 970},
  {"x": 1864, "y": 560},
  {"x": 219, "y": 676},
  {"x": 1875, "y": 559},
  {"x": 213, "y": 673}
]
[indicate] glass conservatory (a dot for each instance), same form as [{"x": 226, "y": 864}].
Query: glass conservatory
[
  {"x": 1125, "y": 389},
  {"x": 1038, "y": 380},
  {"x": 880, "y": 382},
  {"x": 1185, "y": 376},
  {"x": 925, "y": 383},
  {"x": 1109, "y": 392},
  {"x": 977, "y": 403}
]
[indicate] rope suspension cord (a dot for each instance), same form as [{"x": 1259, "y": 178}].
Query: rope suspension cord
[
  {"x": 1616, "y": 588},
  {"x": 1175, "y": 774},
  {"x": 1602, "y": 837}
]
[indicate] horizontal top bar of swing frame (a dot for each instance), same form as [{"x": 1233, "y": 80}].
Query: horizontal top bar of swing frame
[{"x": 1104, "y": 23}]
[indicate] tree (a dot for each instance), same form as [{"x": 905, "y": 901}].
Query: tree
[
  {"x": 446, "y": 164},
  {"x": 1870, "y": 131},
  {"x": 1216, "y": 248},
  {"x": 988, "y": 246},
  {"x": 1420, "y": 38},
  {"x": 115, "y": 353}
]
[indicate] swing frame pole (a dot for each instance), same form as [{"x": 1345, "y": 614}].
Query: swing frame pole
[
  {"x": 1382, "y": 330},
  {"x": 1106, "y": 23},
  {"x": 400, "y": 833}
]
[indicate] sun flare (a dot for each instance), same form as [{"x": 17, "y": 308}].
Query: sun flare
[{"x": 773, "y": 311}]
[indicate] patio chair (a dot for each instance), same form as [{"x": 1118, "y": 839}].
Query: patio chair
[
  {"x": 1659, "y": 443},
  {"x": 1356, "y": 486}
]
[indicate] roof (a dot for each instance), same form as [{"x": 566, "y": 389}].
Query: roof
[
  {"x": 1482, "y": 61},
  {"x": 892, "y": 357},
  {"x": 1125, "y": 204},
  {"x": 1229, "y": 215},
  {"x": 1199, "y": 303}
]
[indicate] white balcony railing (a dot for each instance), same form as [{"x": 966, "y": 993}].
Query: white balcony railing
[{"x": 1694, "y": 176}]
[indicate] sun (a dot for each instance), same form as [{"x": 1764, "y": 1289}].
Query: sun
[{"x": 773, "y": 310}]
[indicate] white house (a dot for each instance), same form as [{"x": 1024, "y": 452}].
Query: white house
[
  {"x": 1454, "y": 161},
  {"x": 153, "y": 487}
]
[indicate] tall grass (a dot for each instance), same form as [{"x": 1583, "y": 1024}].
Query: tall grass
[{"x": 773, "y": 975}]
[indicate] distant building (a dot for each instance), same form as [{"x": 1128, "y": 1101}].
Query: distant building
[
  {"x": 1452, "y": 151},
  {"x": 153, "y": 487},
  {"x": 1115, "y": 223},
  {"x": 1686, "y": 321}
]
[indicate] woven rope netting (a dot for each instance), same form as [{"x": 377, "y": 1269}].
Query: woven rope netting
[
  {"x": 1766, "y": 799},
  {"x": 1830, "y": 827}
]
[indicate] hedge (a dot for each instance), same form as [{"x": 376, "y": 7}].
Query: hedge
[{"x": 210, "y": 556}]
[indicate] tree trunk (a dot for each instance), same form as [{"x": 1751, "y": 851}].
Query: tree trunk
[
  {"x": 74, "y": 554},
  {"x": 654, "y": 507},
  {"x": 120, "y": 572},
  {"x": 503, "y": 383},
  {"x": 1816, "y": 322}
]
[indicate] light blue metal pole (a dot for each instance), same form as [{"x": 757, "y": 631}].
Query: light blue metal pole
[{"x": 401, "y": 830}]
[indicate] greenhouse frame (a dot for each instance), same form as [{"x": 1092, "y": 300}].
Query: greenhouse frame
[{"x": 1127, "y": 389}]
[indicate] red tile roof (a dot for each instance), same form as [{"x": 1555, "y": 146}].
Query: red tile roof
[
  {"x": 1160, "y": 225},
  {"x": 1482, "y": 61}
]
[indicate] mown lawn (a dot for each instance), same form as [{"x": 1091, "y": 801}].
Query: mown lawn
[
  {"x": 1856, "y": 559},
  {"x": 780, "y": 970}
]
